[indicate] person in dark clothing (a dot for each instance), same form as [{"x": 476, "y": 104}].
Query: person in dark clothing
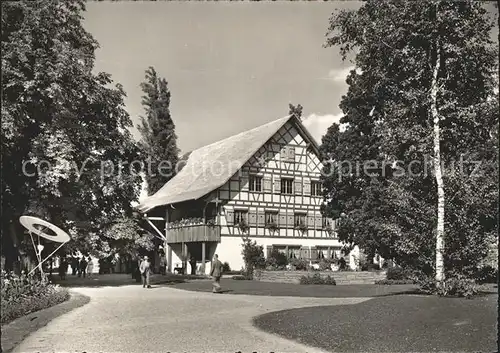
[
  {"x": 342, "y": 264},
  {"x": 83, "y": 266},
  {"x": 216, "y": 273},
  {"x": 192, "y": 262},
  {"x": 74, "y": 265},
  {"x": 63, "y": 268}
]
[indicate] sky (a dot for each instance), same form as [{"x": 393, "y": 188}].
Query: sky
[{"x": 230, "y": 66}]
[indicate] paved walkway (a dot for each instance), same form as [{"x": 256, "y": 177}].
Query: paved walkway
[{"x": 165, "y": 319}]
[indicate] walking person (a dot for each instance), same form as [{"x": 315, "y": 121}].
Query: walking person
[
  {"x": 145, "y": 269},
  {"x": 90, "y": 267},
  {"x": 216, "y": 273}
]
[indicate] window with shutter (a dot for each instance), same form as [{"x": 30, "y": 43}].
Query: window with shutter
[
  {"x": 298, "y": 186},
  {"x": 299, "y": 219},
  {"x": 314, "y": 253},
  {"x": 252, "y": 218},
  {"x": 277, "y": 185},
  {"x": 267, "y": 184},
  {"x": 271, "y": 217},
  {"x": 282, "y": 219},
  {"x": 286, "y": 186},
  {"x": 284, "y": 154},
  {"x": 240, "y": 216},
  {"x": 319, "y": 222},
  {"x": 260, "y": 218},
  {"x": 290, "y": 219},
  {"x": 230, "y": 217},
  {"x": 255, "y": 183},
  {"x": 291, "y": 154},
  {"x": 306, "y": 190},
  {"x": 311, "y": 221}
]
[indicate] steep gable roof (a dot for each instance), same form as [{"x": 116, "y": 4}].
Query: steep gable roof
[{"x": 208, "y": 168}]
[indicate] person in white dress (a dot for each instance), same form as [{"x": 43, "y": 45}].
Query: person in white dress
[{"x": 90, "y": 267}]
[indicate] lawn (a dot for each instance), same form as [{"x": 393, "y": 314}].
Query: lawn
[
  {"x": 296, "y": 290},
  {"x": 393, "y": 323}
]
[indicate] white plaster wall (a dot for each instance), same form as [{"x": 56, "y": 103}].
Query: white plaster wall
[{"x": 177, "y": 262}]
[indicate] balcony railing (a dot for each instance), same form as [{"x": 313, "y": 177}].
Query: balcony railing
[{"x": 193, "y": 233}]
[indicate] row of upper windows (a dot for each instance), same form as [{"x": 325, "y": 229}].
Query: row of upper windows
[
  {"x": 286, "y": 154},
  {"x": 287, "y": 186},
  {"x": 271, "y": 218}
]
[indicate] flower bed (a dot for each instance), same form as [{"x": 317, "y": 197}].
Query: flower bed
[
  {"x": 317, "y": 279},
  {"x": 22, "y": 295}
]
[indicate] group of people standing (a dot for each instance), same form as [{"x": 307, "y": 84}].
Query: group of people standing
[
  {"x": 83, "y": 266},
  {"x": 145, "y": 270}
]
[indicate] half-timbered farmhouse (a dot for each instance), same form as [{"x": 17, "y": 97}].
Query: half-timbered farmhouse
[{"x": 263, "y": 183}]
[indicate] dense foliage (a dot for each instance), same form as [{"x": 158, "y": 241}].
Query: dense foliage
[
  {"x": 253, "y": 256},
  {"x": 276, "y": 260},
  {"x": 66, "y": 147},
  {"x": 419, "y": 68}
]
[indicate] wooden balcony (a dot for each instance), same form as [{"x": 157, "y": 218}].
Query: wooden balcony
[{"x": 193, "y": 233}]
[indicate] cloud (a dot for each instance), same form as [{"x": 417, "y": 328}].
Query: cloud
[
  {"x": 339, "y": 75},
  {"x": 318, "y": 124}
]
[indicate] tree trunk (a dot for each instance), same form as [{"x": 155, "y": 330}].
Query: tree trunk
[
  {"x": 437, "y": 169},
  {"x": 12, "y": 262}
]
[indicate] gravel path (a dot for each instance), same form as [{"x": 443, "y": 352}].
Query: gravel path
[{"x": 163, "y": 319}]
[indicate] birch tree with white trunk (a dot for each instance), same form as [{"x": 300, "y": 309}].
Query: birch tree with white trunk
[{"x": 421, "y": 102}]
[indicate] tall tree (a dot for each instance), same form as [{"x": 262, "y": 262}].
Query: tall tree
[
  {"x": 64, "y": 128},
  {"x": 159, "y": 141},
  {"x": 424, "y": 95}
]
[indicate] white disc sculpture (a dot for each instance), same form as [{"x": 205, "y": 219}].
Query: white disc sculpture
[{"x": 35, "y": 225}]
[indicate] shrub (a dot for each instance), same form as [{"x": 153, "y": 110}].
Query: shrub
[
  {"x": 397, "y": 273},
  {"x": 395, "y": 281},
  {"x": 325, "y": 265},
  {"x": 233, "y": 272},
  {"x": 225, "y": 267},
  {"x": 300, "y": 264},
  {"x": 253, "y": 256},
  {"x": 242, "y": 278},
  {"x": 276, "y": 259},
  {"x": 22, "y": 295},
  {"x": 486, "y": 274},
  {"x": 317, "y": 279},
  {"x": 456, "y": 284},
  {"x": 366, "y": 266}
]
